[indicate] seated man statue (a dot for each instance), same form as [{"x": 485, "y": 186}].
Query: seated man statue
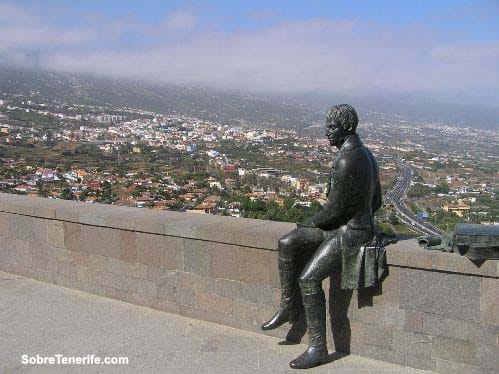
[{"x": 333, "y": 237}]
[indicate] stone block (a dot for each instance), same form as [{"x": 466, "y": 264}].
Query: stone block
[
  {"x": 40, "y": 263},
  {"x": 422, "y": 363},
  {"x": 216, "y": 228},
  {"x": 101, "y": 241},
  {"x": 487, "y": 352},
  {"x": 111, "y": 280},
  {"x": 186, "y": 297},
  {"x": 454, "y": 350},
  {"x": 489, "y": 301},
  {"x": 67, "y": 270},
  {"x": 72, "y": 210},
  {"x": 274, "y": 279},
  {"x": 224, "y": 261},
  {"x": 188, "y": 226},
  {"x": 394, "y": 318},
  {"x": 21, "y": 227},
  {"x": 412, "y": 344},
  {"x": 147, "y": 288},
  {"x": 447, "y": 294},
  {"x": 39, "y": 231},
  {"x": 357, "y": 331},
  {"x": 443, "y": 366},
  {"x": 150, "y": 222},
  {"x": 165, "y": 306},
  {"x": 4, "y": 224},
  {"x": 379, "y": 353},
  {"x": 449, "y": 328},
  {"x": 263, "y": 235},
  {"x": 148, "y": 248},
  {"x": 137, "y": 270},
  {"x": 192, "y": 281},
  {"x": 372, "y": 315},
  {"x": 45, "y": 276},
  {"x": 171, "y": 255},
  {"x": 79, "y": 258},
  {"x": 52, "y": 265},
  {"x": 224, "y": 287},
  {"x": 155, "y": 273},
  {"x": 413, "y": 321},
  {"x": 214, "y": 303},
  {"x": 167, "y": 292},
  {"x": 448, "y": 262},
  {"x": 489, "y": 268},
  {"x": 257, "y": 293},
  {"x": 116, "y": 266},
  {"x": 164, "y": 277},
  {"x": 83, "y": 275},
  {"x": 378, "y": 336},
  {"x": 93, "y": 214},
  {"x": 248, "y": 311},
  {"x": 197, "y": 257},
  {"x": 128, "y": 246},
  {"x": 407, "y": 253},
  {"x": 55, "y": 233},
  {"x": 97, "y": 262},
  {"x": 72, "y": 236},
  {"x": 114, "y": 293},
  {"x": 64, "y": 280},
  {"x": 130, "y": 284},
  {"x": 120, "y": 217},
  {"x": 38, "y": 248},
  {"x": 254, "y": 265},
  {"x": 21, "y": 253}
]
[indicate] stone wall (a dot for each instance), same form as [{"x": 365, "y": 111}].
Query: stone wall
[{"x": 434, "y": 311}]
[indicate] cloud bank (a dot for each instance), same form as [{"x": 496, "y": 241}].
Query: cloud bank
[{"x": 315, "y": 55}]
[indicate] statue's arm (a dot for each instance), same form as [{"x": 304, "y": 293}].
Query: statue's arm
[
  {"x": 333, "y": 212},
  {"x": 377, "y": 199}
]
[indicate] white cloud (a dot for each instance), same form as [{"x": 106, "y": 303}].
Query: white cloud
[
  {"x": 180, "y": 20},
  {"x": 316, "y": 55}
]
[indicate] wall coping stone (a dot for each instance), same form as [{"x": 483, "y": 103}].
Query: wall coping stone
[{"x": 228, "y": 230}]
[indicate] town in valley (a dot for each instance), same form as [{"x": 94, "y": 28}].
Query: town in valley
[{"x": 433, "y": 175}]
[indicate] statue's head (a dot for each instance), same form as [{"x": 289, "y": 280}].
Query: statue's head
[{"x": 341, "y": 121}]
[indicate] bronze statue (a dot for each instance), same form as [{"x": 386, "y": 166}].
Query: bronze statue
[{"x": 333, "y": 238}]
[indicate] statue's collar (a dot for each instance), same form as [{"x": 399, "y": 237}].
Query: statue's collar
[{"x": 351, "y": 142}]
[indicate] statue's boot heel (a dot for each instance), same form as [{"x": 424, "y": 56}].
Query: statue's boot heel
[
  {"x": 310, "y": 358},
  {"x": 282, "y": 316},
  {"x": 314, "y": 303},
  {"x": 288, "y": 309}
]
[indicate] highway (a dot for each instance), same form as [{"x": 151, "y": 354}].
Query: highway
[{"x": 397, "y": 195}]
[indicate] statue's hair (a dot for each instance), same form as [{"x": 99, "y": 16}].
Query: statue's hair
[{"x": 344, "y": 113}]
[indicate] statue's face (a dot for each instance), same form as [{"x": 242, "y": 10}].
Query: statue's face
[{"x": 335, "y": 132}]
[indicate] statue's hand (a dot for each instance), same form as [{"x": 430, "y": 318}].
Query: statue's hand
[{"x": 304, "y": 225}]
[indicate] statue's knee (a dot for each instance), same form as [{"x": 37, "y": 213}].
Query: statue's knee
[
  {"x": 309, "y": 285},
  {"x": 285, "y": 247}
]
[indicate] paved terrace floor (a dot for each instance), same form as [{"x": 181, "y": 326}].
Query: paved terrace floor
[{"x": 39, "y": 318}]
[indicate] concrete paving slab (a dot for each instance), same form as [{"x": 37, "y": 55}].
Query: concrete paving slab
[{"x": 40, "y": 318}]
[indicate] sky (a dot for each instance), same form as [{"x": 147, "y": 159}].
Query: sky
[{"x": 447, "y": 50}]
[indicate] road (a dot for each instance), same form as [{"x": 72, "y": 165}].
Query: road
[{"x": 397, "y": 196}]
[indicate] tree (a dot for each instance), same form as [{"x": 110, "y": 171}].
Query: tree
[
  {"x": 67, "y": 194},
  {"x": 393, "y": 219},
  {"x": 442, "y": 188}
]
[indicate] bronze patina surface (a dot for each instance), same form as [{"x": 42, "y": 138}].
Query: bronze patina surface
[{"x": 340, "y": 237}]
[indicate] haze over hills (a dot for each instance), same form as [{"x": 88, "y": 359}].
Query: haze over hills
[{"x": 292, "y": 111}]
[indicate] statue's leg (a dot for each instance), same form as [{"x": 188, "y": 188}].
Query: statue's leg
[
  {"x": 290, "y": 247},
  {"x": 318, "y": 268}
]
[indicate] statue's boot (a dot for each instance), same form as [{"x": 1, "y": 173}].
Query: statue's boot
[
  {"x": 315, "y": 313},
  {"x": 289, "y": 308}
]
